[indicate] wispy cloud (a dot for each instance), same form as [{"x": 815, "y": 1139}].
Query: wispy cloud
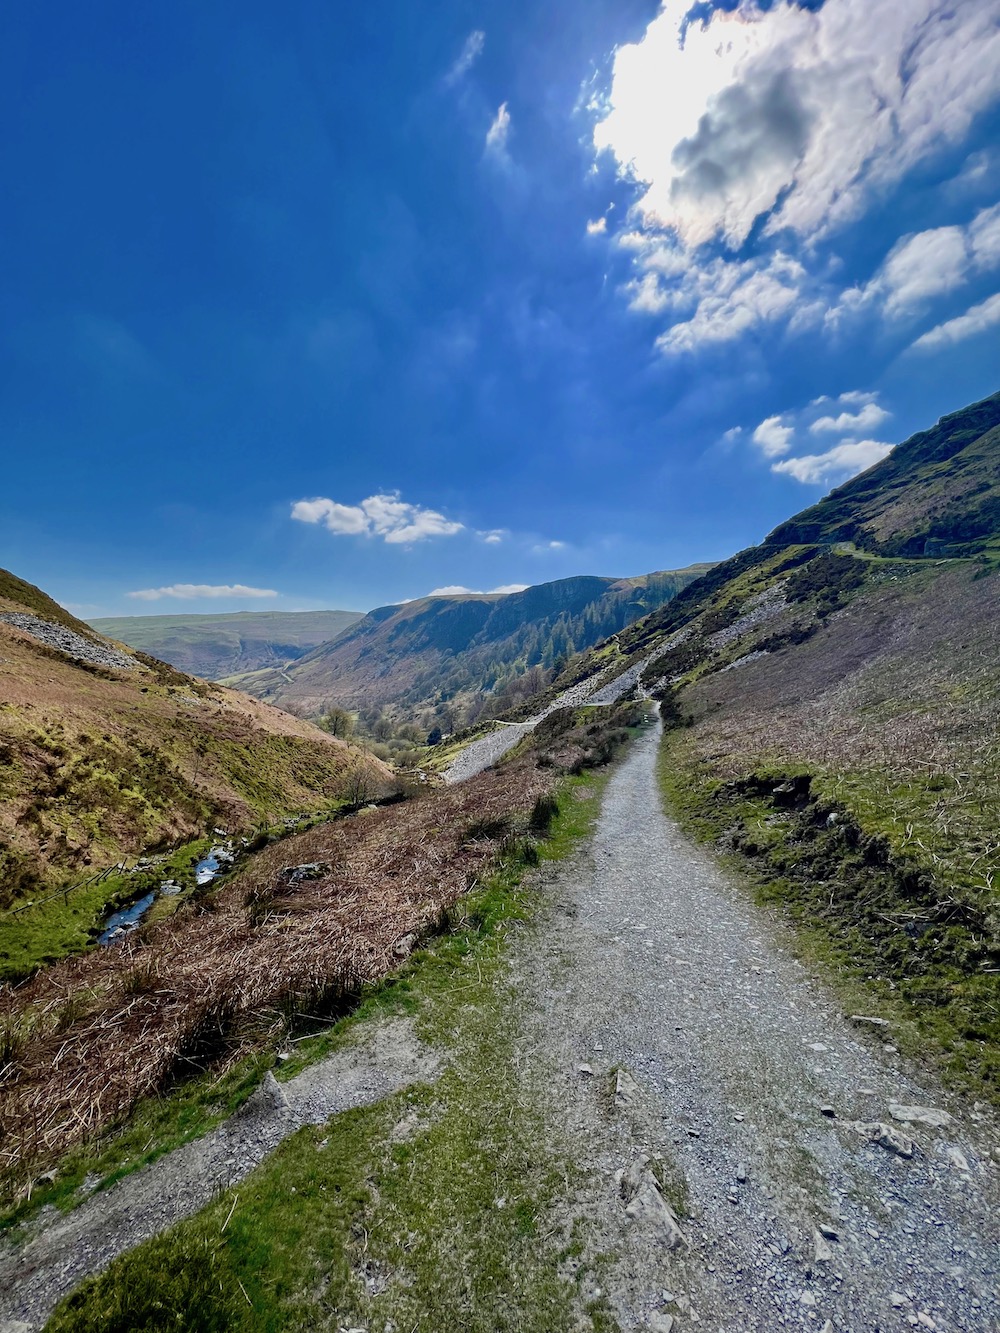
[
  {"x": 781, "y": 112},
  {"x": 753, "y": 134},
  {"x": 773, "y": 437},
  {"x": 192, "y": 591},
  {"x": 386, "y": 516},
  {"x": 977, "y": 319},
  {"x": 928, "y": 264},
  {"x": 470, "y": 53},
  {"x": 498, "y": 133},
  {"x": 837, "y": 464},
  {"x": 869, "y": 416},
  {"x": 848, "y": 414}
]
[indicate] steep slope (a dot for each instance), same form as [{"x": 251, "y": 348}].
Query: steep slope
[
  {"x": 104, "y": 753},
  {"x": 937, "y": 494},
  {"x": 436, "y": 659},
  {"x": 834, "y": 699},
  {"x": 225, "y": 645}
]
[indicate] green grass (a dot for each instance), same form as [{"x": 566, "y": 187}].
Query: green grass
[
  {"x": 869, "y": 907},
  {"x": 453, "y": 1225},
  {"x": 67, "y": 923}
]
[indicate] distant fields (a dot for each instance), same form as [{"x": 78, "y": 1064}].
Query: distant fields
[{"x": 214, "y": 646}]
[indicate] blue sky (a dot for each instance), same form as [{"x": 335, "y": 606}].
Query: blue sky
[{"x": 327, "y": 305}]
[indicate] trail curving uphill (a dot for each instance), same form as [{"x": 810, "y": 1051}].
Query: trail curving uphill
[
  {"x": 486, "y": 750},
  {"x": 744, "y": 1073}
]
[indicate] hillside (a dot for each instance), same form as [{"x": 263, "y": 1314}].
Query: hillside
[
  {"x": 213, "y": 646},
  {"x": 447, "y": 661},
  {"x": 832, "y": 704},
  {"x": 105, "y": 754}
]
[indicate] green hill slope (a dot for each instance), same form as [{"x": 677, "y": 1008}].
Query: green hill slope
[
  {"x": 104, "y": 754},
  {"x": 450, "y": 660},
  {"x": 213, "y": 646}
]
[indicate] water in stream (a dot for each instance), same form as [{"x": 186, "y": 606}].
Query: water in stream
[{"x": 126, "y": 919}]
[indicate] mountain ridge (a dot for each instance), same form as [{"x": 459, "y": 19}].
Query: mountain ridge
[{"x": 443, "y": 659}]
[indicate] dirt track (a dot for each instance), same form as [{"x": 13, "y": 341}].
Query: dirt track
[
  {"x": 654, "y": 962},
  {"x": 652, "y": 976},
  {"x": 36, "y": 1275}
]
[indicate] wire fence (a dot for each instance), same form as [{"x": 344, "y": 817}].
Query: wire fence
[{"x": 67, "y": 889}]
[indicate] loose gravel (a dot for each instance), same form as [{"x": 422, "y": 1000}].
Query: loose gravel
[
  {"x": 69, "y": 642},
  {"x": 744, "y": 1076},
  {"x": 35, "y": 1273},
  {"x": 484, "y": 752}
]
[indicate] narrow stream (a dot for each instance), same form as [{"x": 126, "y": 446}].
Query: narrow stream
[{"x": 126, "y": 919}]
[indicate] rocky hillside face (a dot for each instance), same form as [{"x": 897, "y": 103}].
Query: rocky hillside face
[
  {"x": 450, "y": 660},
  {"x": 106, "y": 753},
  {"x": 224, "y": 645}
]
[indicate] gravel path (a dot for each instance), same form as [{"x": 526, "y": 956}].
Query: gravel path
[
  {"x": 35, "y": 1273},
  {"x": 485, "y": 751},
  {"x": 745, "y": 1075}
]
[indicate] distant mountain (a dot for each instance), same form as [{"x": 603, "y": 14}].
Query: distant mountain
[
  {"x": 214, "y": 646},
  {"x": 446, "y": 659},
  {"x": 105, "y": 753}
]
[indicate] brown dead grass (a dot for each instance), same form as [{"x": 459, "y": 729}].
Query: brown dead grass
[{"x": 92, "y": 1035}]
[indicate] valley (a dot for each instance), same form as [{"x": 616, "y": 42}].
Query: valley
[
  {"x": 497, "y": 998},
  {"x": 224, "y": 645}
]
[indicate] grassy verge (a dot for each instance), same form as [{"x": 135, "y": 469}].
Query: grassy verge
[
  {"x": 869, "y": 911},
  {"x": 435, "y": 1209}
]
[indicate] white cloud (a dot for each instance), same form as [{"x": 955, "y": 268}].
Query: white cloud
[
  {"x": 470, "y": 53},
  {"x": 190, "y": 591},
  {"x": 456, "y": 589},
  {"x": 774, "y": 127},
  {"x": 496, "y": 135},
  {"x": 735, "y": 298},
  {"x": 837, "y": 464},
  {"x": 494, "y": 536},
  {"x": 789, "y": 113},
  {"x": 773, "y": 437},
  {"x": 846, "y": 414},
  {"x": 870, "y": 416},
  {"x": 984, "y": 238},
  {"x": 928, "y": 264},
  {"x": 385, "y": 516},
  {"x": 597, "y": 227},
  {"x": 977, "y": 319},
  {"x": 923, "y": 266}
]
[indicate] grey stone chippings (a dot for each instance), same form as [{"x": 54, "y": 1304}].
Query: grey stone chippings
[
  {"x": 725, "y": 1048},
  {"x": 69, "y": 642}
]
